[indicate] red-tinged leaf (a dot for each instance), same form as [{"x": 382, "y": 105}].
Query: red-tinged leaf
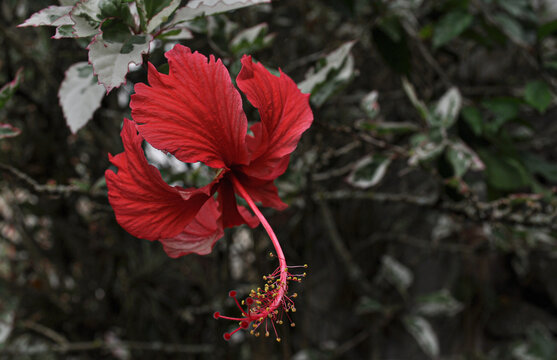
[
  {"x": 194, "y": 112},
  {"x": 200, "y": 235},
  {"x": 144, "y": 204},
  {"x": 7, "y": 130},
  {"x": 8, "y": 90},
  {"x": 285, "y": 115}
]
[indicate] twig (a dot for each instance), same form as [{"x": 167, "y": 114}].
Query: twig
[
  {"x": 39, "y": 188},
  {"x": 355, "y": 274},
  {"x": 526, "y": 210},
  {"x": 102, "y": 345}
]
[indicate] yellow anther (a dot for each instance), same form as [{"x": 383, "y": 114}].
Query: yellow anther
[
  {"x": 278, "y": 339},
  {"x": 254, "y": 326},
  {"x": 289, "y": 278},
  {"x": 257, "y": 334},
  {"x": 293, "y": 309},
  {"x": 271, "y": 254},
  {"x": 295, "y": 295},
  {"x": 280, "y": 322},
  {"x": 264, "y": 277},
  {"x": 306, "y": 266},
  {"x": 243, "y": 302},
  {"x": 293, "y": 325},
  {"x": 304, "y": 274},
  {"x": 266, "y": 334},
  {"x": 252, "y": 332}
]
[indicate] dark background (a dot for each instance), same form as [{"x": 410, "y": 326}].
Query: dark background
[{"x": 430, "y": 262}]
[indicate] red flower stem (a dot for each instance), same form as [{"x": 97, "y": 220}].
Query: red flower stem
[{"x": 282, "y": 261}]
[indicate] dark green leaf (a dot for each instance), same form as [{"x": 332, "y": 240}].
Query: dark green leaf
[
  {"x": 538, "y": 95},
  {"x": 8, "y": 90},
  {"x": 450, "y": 26},
  {"x": 473, "y": 118},
  {"x": 505, "y": 173},
  {"x": 395, "y": 52}
]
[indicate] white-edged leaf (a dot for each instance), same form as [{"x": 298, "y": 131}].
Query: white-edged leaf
[
  {"x": 80, "y": 95},
  {"x": 438, "y": 303},
  {"x": 176, "y": 33},
  {"x": 86, "y": 16},
  {"x": 7, "y": 130},
  {"x": 111, "y": 60},
  {"x": 50, "y": 16},
  {"x": 448, "y": 107},
  {"x": 197, "y": 8},
  {"x": 423, "y": 333},
  {"x": 370, "y": 104},
  {"x": 396, "y": 273},
  {"x": 9, "y": 89},
  {"x": 462, "y": 158},
  {"x": 333, "y": 61},
  {"x": 368, "y": 171},
  {"x": 162, "y": 16},
  {"x": 418, "y": 104},
  {"x": 426, "y": 151}
]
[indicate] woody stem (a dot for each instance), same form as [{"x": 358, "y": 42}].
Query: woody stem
[{"x": 282, "y": 261}]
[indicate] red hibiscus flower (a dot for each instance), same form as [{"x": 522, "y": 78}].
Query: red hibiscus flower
[{"x": 196, "y": 114}]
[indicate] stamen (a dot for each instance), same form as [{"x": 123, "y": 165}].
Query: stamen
[{"x": 271, "y": 302}]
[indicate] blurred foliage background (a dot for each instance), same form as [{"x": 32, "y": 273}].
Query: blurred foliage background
[{"x": 422, "y": 198}]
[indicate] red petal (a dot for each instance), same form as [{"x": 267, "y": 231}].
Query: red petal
[
  {"x": 263, "y": 191},
  {"x": 232, "y": 213},
  {"x": 194, "y": 112},
  {"x": 200, "y": 235},
  {"x": 143, "y": 203},
  {"x": 285, "y": 115}
]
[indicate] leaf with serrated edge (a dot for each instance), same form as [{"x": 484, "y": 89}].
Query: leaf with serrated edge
[
  {"x": 80, "y": 95},
  {"x": 50, "y": 16},
  {"x": 110, "y": 64},
  {"x": 197, "y": 8},
  {"x": 162, "y": 16},
  {"x": 334, "y": 62}
]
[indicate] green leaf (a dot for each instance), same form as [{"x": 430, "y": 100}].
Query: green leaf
[
  {"x": 511, "y": 27},
  {"x": 448, "y": 108},
  {"x": 367, "y": 305},
  {"x": 547, "y": 29},
  {"x": 396, "y": 274},
  {"x": 115, "y": 31},
  {"x": 393, "y": 49},
  {"x": 462, "y": 158},
  {"x": 336, "y": 70},
  {"x": 8, "y": 90},
  {"x": 423, "y": 333},
  {"x": 503, "y": 109},
  {"x": 251, "y": 40},
  {"x": 368, "y": 171},
  {"x": 161, "y": 14},
  {"x": 437, "y": 303},
  {"x": 198, "y": 8},
  {"x": 504, "y": 173},
  {"x": 450, "y": 26},
  {"x": 418, "y": 104},
  {"x": 153, "y": 7},
  {"x": 473, "y": 118},
  {"x": 111, "y": 60},
  {"x": 539, "y": 166},
  {"x": 538, "y": 95}
]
